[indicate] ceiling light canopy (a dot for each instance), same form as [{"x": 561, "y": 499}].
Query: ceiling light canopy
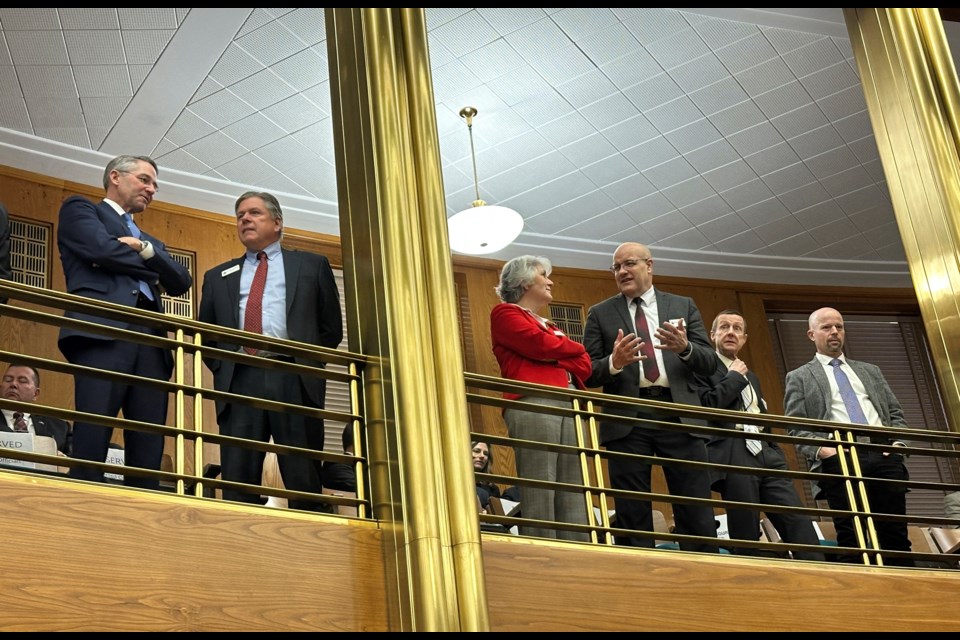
[{"x": 482, "y": 228}]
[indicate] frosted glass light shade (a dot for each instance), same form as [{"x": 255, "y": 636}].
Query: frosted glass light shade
[{"x": 485, "y": 229}]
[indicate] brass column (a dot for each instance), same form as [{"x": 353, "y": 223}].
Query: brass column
[
  {"x": 911, "y": 90},
  {"x": 398, "y": 274}
]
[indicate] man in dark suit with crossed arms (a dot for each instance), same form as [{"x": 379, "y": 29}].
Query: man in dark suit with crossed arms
[
  {"x": 733, "y": 386},
  {"x": 106, "y": 257},
  {"x": 298, "y": 299},
  {"x": 657, "y": 364}
]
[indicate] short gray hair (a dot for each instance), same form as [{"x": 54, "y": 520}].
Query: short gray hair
[
  {"x": 126, "y": 164},
  {"x": 269, "y": 201},
  {"x": 518, "y": 274}
]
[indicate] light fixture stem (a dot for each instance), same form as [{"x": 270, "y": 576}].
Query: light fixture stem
[{"x": 473, "y": 156}]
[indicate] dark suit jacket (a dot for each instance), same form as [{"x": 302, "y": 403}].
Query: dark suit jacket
[
  {"x": 98, "y": 266},
  {"x": 808, "y": 395},
  {"x": 723, "y": 390},
  {"x": 5, "y": 272},
  {"x": 313, "y": 312},
  {"x": 44, "y": 426},
  {"x": 603, "y": 321}
]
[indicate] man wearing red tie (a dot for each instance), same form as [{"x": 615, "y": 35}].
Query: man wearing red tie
[
  {"x": 284, "y": 294},
  {"x": 645, "y": 343},
  {"x": 834, "y": 387}
]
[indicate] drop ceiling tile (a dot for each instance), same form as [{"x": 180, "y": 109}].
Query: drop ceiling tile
[
  {"x": 892, "y": 252},
  {"x": 718, "y": 33},
  {"x": 765, "y": 77},
  {"x": 746, "y": 53},
  {"x": 76, "y": 136},
  {"x": 843, "y": 103},
  {"x": 37, "y": 47},
  {"x": 846, "y": 181},
  {"x": 569, "y": 212},
  {"x": 665, "y": 226},
  {"x": 779, "y": 228},
  {"x": 763, "y": 212},
  {"x": 712, "y": 156},
  {"x": 722, "y": 228},
  {"x": 221, "y": 109},
  {"x": 786, "y": 40},
  {"x": 689, "y": 239},
  {"x": 783, "y": 99},
  {"x": 551, "y": 195},
  {"x": 699, "y": 73},
  {"x": 139, "y": 73},
  {"x": 819, "y": 214},
  {"x": 5, "y": 59},
  {"x": 719, "y": 96},
  {"x": 709, "y": 210},
  {"x": 145, "y": 47},
  {"x": 537, "y": 172},
  {"x": 875, "y": 169},
  {"x": 103, "y": 81},
  {"x": 91, "y": 47},
  {"x": 103, "y": 112},
  {"x": 816, "y": 142},
  {"x": 747, "y": 194},
  {"x": 247, "y": 169},
  {"x": 294, "y": 113},
  {"x": 865, "y": 150},
  {"x": 54, "y": 113},
  {"x": 262, "y": 89},
  {"x": 258, "y": 18},
  {"x": 523, "y": 83},
  {"x": 629, "y": 189},
  {"x": 507, "y": 21},
  {"x": 744, "y": 243},
  {"x": 307, "y": 23},
  {"x": 319, "y": 179},
  {"x": 649, "y": 94},
  {"x": 163, "y": 147},
  {"x": 633, "y": 68},
  {"x": 47, "y": 81},
  {"x": 302, "y": 70},
  {"x": 854, "y": 127},
  {"x": 234, "y": 65},
  {"x": 689, "y": 191},
  {"x": 695, "y": 135},
  {"x": 586, "y": 89},
  {"x": 286, "y": 153},
  {"x": 631, "y": 132},
  {"x": 835, "y": 230},
  {"x": 609, "y": 111},
  {"x": 588, "y": 150},
  {"x": 215, "y": 149},
  {"x": 670, "y": 173},
  {"x": 651, "y": 153},
  {"x": 860, "y": 199},
  {"x": 604, "y": 47},
  {"x": 526, "y": 147},
  {"x": 270, "y": 44},
  {"x": 803, "y": 197},
  {"x": 883, "y": 235},
  {"x": 548, "y": 50},
  {"x": 147, "y": 18},
  {"x": 677, "y": 48},
  {"x": 873, "y": 217},
  {"x": 651, "y": 24},
  {"x": 581, "y": 23},
  {"x": 794, "y": 246},
  {"x": 182, "y": 161},
  {"x": 729, "y": 175},
  {"x": 633, "y": 234},
  {"x": 188, "y": 128},
  {"x": 800, "y": 121},
  {"x": 547, "y": 107},
  {"x": 10, "y": 82},
  {"x": 97, "y": 135},
  {"x": 831, "y": 162},
  {"x": 601, "y": 226},
  {"x": 256, "y": 131},
  {"x": 757, "y": 138},
  {"x": 772, "y": 159},
  {"x": 738, "y": 118},
  {"x": 648, "y": 207},
  {"x": 830, "y": 80},
  {"x": 442, "y": 15},
  {"x": 673, "y": 115},
  {"x": 566, "y": 129},
  {"x": 28, "y": 19},
  {"x": 813, "y": 57},
  {"x": 610, "y": 169},
  {"x": 465, "y": 33},
  {"x": 788, "y": 178}
]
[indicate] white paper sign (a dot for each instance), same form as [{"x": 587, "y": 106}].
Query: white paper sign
[
  {"x": 20, "y": 442},
  {"x": 114, "y": 456}
]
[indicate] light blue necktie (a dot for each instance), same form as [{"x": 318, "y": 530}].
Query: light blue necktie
[
  {"x": 135, "y": 232},
  {"x": 847, "y": 394}
]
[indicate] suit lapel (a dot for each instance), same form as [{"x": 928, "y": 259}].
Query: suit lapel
[
  {"x": 291, "y": 268},
  {"x": 870, "y": 385},
  {"x": 622, "y": 306},
  {"x": 232, "y": 283}
]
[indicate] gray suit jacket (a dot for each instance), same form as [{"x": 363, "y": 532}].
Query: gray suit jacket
[
  {"x": 808, "y": 395},
  {"x": 606, "y": 318}
]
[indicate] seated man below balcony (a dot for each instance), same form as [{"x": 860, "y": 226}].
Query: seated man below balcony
[{"x": 22, "y": 383}]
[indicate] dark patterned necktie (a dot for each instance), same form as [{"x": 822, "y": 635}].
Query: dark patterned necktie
[
  {"x": 253, "y": 316},
  {"x": 651, "y": 370},
  {"x": 19, "y": 423}
]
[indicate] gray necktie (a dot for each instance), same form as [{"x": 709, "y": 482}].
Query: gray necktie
[
  {"x": 847, "y": 394},
  {"x": 135, "y": 232}
]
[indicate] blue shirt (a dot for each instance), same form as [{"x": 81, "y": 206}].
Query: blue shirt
[{"x": 274, "y": 292}]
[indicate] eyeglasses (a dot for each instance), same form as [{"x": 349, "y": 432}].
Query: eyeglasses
[
  {"x": 144, "y": 179},
  {"x": 628, "y": 264}
]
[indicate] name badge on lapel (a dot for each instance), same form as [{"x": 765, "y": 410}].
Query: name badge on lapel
[{"x": 226, "y": 272}]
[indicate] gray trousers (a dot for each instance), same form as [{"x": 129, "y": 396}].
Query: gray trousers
[{"x": 536, "y": 464}]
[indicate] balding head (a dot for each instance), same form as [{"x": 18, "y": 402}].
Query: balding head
[
  {"x": 827, "y": 332},
  {"x": 633, "y": 269}
]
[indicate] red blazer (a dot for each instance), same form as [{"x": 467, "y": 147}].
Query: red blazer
[{"x": 529, "y": 352}]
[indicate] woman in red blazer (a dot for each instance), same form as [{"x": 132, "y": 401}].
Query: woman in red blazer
[{"x": 531, "y": 348}]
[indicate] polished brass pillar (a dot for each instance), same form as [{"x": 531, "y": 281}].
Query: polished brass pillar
[
  {"x": 402, "y": 313},
  {"x": 911, "y": 89}
]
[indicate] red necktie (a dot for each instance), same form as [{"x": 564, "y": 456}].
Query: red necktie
[
  {"x": 651, "y": 371},
  {"x": 19, "y": 424},
  {"x": 253, "y": 316}
]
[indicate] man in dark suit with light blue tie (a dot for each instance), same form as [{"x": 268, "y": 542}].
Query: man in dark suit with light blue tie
[
  {"x": 834, "y": 387},
  {"x": 284, "y": 294},
  {"x": 106, "y": 257},
  {"x": 659, "y": 365}
]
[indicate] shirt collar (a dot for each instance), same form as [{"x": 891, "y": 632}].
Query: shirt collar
[
  {"x": 825, "y": 359},
  {"x": 115, "y": 206},
  {"x": 725, "y": 360},
  {"x": 649, "y": 297},
  {"x": 272, "y": 251}
]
